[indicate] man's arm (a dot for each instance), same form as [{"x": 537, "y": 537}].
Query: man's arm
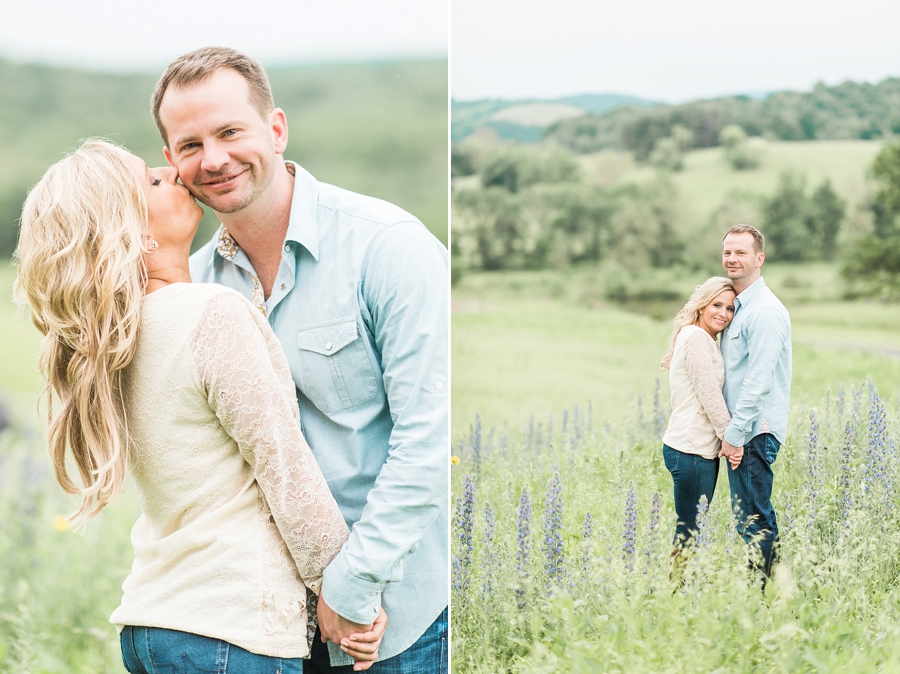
[
  {"x": 405, "y": 288},
  {"x": 766, "y": 340}
]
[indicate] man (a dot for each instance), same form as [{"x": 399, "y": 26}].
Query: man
[
  {"x": 756, "y": 347},
  {"x": 356, "y": 290}
]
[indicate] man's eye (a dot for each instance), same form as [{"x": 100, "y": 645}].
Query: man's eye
[{"x": 230, "y": 132}]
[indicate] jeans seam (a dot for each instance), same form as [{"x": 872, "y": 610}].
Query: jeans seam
[
  {"x": 222, "y": 667},
  {"x": 149, "y": 649}
]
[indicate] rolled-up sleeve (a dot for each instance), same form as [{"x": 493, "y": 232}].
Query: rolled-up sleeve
[{"x": 405, "y": 288}]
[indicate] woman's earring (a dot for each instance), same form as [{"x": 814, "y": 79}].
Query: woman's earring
[{"x": 152, "y": 245}]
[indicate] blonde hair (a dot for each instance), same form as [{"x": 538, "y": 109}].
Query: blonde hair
[
  {"x": 81, "y": 271},
  {"x": 690, "y": 313},
  {"x": 200, "y": 65}
]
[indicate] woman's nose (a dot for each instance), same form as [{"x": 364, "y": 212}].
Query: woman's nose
[{"x": 167, "y": 173}]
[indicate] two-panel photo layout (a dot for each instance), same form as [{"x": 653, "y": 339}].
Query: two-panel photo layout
[{"x": 418, "y": 338}]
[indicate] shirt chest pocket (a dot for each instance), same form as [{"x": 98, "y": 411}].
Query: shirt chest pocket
[{"x": 336, "y": 372}]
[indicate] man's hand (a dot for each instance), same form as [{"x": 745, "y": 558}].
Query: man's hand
[
  {"x": 363, "y": 647},
  {"x": 732, "y": 453}
]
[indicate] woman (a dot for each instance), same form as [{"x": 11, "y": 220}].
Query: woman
[
  {"x": 693, "y": 438},
  {"x": 188, "y": 386}
]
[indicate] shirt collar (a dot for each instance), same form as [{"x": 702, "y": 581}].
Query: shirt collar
[
  {"x": 303, "y": 226},
  {"x": 751, "y": 291}
]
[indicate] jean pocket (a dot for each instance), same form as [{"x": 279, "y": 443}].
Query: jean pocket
[
  {"x": 772, "y": 447},
  {"x": 335, "y": 369},
  {"x": 671, "y": 457}
]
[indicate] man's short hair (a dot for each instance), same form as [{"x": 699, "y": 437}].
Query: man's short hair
[
  {"x": 199, "y": 65},
  {"x": 759, "y": 241}
]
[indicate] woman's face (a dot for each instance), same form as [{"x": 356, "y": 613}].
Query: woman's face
[
  {"x": 716, "y": 315},
  {"x": 172, "y": 211}
]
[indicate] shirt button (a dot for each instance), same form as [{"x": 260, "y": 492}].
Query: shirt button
[
  {"x": 328, "y": 346},
  {"x": 439, "y": 386},
  {"x": 287, "y": 248},
  {"x": 283, "y": 286}
]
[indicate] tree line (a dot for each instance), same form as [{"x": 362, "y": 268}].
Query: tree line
[
  {"x": 530, "y": 210},
  {"x": 846, "y": 111}
]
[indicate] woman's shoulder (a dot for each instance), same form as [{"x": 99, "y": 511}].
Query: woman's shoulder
[{"x": 690, "y": 333}]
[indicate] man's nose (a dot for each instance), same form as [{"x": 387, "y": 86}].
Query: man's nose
[{"x": 214, "y": 157}]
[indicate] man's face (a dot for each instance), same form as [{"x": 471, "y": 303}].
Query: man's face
[
  {"x": 740, "y": 260},
  {"x": 224, "y": 150}
]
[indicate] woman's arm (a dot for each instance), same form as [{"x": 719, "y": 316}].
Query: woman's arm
[
  {"x": 244, "y": 375},
  {"x": 701, "y": 371}
]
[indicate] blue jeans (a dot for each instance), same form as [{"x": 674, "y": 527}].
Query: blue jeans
[
  {"x": 153, "y": 650},
  {"x": 751, "y": 496},
  {"x": 694, "y": 477},
  {"x": 428, "y": 655}
]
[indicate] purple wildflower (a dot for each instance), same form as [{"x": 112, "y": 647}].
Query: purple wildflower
[
  {"x": 523, "y": 527},
  {"x": 813, "y": 469},
  {"x": 487, "y": 563},
  {"x": 629, "y": 532},
  {"x": 462, "y": 561},
  {"x": 553, "y": 541}
]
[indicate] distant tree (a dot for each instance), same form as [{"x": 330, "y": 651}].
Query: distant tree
[
  {"x": 514, "y": 167},
  {"x": 827, "y": 211},
  {"x": 668, "y": 152},
  {"x": 738, "y": 151},
  {"x": 785, "y": 217},
  {"x": 460, "y": 161},
  {"x": 874, "y": 261}
]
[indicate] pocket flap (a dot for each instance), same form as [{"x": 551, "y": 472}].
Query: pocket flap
[{"x": 328, "y": 338}]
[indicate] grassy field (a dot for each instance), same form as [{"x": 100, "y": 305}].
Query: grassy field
[
  {"x": 707, "y": 178},
  {"x": 537, "y": 343},
  {"x": 564, "y": 514}
]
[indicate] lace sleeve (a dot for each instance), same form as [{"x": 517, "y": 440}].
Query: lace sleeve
[
  {"x": 242, "y": 367},
  {"x": 701, "y": 370}
]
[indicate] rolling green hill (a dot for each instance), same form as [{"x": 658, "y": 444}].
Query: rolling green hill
[{"x": 376, "y": 128}]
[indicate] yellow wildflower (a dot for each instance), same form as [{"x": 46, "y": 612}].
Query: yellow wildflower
[
  {"x": 454, "y": 460},
  {"x": 60, "y": 523}
]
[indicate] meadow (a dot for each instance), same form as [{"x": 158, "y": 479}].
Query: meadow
[{"x": 563, "y": 507}]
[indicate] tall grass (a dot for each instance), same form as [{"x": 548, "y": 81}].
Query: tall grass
[{"x": 581, "y": 523}]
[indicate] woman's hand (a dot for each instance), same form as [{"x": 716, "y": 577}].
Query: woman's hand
[
  {"x": 732, "y": 453},
  {"x": 363, "y": 646}
]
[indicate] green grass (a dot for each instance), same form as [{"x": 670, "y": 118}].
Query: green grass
[
  {"x": 537, "y": 343},
  {"x": 707, "y": 178},
  {"x": 528, "y": 346}
]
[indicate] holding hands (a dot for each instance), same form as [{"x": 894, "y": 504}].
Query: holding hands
[
  {"x": 360, "y": 642},
  {"x": 732, "y": 453}
]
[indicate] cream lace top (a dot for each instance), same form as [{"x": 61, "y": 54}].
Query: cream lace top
[
  {"x": 696, "y": 376},
  {"x": 237, "y": 519}
]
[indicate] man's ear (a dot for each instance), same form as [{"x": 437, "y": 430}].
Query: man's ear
[
  {"x": 278, "y": 124},
  {"x": 168, "y": 156},
  {"x": 760, "y": 259}
]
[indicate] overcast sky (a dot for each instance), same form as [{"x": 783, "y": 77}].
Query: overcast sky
[
  {"x": 668, "y": 50},
  {"x": 136, "y": 35}
]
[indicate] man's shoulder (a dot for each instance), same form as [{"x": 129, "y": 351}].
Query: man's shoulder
[
  {"x": 353, "y": 207},
  {"x": 768, "y": 302}
]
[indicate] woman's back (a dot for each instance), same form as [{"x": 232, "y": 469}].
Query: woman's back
[{"x": 237, "y": 516}]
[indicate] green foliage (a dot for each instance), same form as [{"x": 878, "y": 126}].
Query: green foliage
[
  {"x": 846, "y": 111},
  {"x": 668, "y": 152},
  {"x": 514, "y": 167},
  {"x": 874, "y": 261},
  {"x": 376, "y": 128},
  {"x": 833, "y": 604},
  {"x": 57, "y": 587},
  {"x": 798, "y": 227},
  {"x": 738, "y": 150},
  {"x": 561, "y": 223}
]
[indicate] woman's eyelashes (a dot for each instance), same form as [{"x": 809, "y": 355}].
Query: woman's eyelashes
[{"x": 155, "y": 181}]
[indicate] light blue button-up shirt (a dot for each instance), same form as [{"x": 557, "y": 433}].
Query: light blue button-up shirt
[
  {"x": 756, "y": 348},
  {"x": 360, "y": 305}
]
